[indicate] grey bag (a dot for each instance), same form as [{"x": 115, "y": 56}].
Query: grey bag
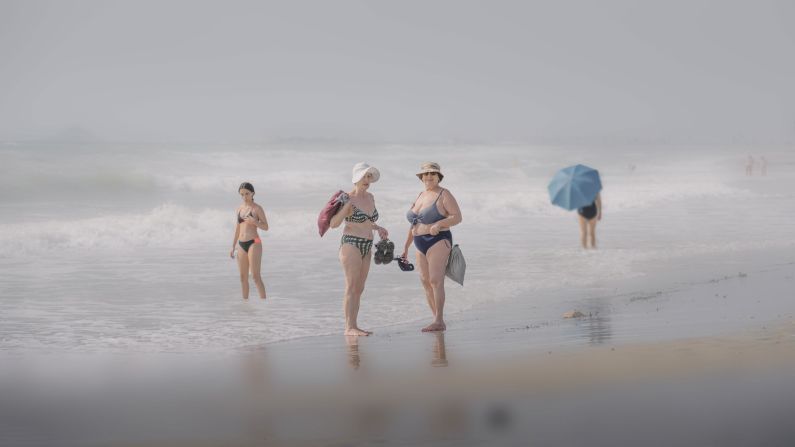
[{"x": 456, "y": 265}]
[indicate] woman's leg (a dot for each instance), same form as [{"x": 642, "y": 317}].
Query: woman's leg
[
  {"x": 437, "y": 264},
  {"x": 255, "y": 261},
  {"x": 351, "y": 260},
  {"x": 583, "y": 231},
  {"x": 425, "y": 280},
  {"x": 242, "y": 264},
  {"x": 592, "y": 231},
  {"x": 363, "y": 272}
]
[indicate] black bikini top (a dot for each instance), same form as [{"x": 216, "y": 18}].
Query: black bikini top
[{"x": 241, "y": 220}]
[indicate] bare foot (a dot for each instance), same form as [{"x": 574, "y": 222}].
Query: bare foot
[
  {"x": 435, "y": 327},
  {"x": 264, "y": 296},
  {"x": 357, "y": 332}
]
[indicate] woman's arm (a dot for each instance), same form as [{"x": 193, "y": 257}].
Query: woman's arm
[
  {"x": 257, "y": 218},
  {"x": 234, "y": 241},
  {"x": 598, "y": 206},
  {"x": 262, "y": 224},
  {"x": 382, "y": 233},
  {"x": 450, "y": 205},
  {"x": 344, "y": 212},
  {"x": 406, "y": 246}
]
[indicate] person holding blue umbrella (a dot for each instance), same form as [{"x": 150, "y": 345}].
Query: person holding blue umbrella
[
  {"x": 589, "y": 215},
  {"x": 578, "y": 187}
]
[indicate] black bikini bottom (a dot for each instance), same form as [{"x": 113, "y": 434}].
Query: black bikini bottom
[{"x": 245, "y": 245}]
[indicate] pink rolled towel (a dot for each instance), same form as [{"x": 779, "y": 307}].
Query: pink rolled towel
[{"x": 328, "y": 211}]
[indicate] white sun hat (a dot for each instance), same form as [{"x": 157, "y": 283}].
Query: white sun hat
[{"x": 362, "y": 169}]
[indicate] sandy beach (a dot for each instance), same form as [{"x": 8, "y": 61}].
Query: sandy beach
[
  {"x": 662, "y": 362},
  {"x": 618, "y": 176}
]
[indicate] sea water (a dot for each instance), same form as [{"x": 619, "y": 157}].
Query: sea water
[{"x": 125, "y": 247}]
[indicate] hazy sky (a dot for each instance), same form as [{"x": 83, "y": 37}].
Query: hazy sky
[{"x": 399, "y": 70}]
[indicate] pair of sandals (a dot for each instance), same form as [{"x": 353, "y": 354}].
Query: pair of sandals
[
  {"x": 385, "y": 253},
  {"x": 404, "y": 264}
]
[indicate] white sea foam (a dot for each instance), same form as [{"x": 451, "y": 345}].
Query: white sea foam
[
  {"x": 173, "y": 226},
  {"x": 127, "y": 250},
  {"x": 165, "y": 226}
]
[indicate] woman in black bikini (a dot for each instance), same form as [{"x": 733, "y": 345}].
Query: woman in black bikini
[
  {"x": 589, "y": 215},
  {"x": 247, "y": 243},
  {"x": 359, "y": 214}
]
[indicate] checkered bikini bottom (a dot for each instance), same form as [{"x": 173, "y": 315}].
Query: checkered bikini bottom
[{"x": 361, "y": 243}]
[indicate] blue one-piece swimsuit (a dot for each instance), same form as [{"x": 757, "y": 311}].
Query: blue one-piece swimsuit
[
  {"x": 428, "y": 215},
  {"x": 588, "y": 212}
]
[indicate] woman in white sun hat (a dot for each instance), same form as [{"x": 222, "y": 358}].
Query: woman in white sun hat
[
  {"x": 433, "y": 213},
  {"x": 359, "y": 214}
]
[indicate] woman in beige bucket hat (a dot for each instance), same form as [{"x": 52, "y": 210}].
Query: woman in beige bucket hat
[
  {"x": 433, "y": 213},
  {"x": 359, "y": 214}
]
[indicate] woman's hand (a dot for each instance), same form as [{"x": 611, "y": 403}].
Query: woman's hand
[
  {"x": 251, "y": 221},
  {"x": 382, "y": 233},
  {"x": 434, "y": 230},
  {"x": 232, "y": 253},
  {"x": 405, "y": 254}
]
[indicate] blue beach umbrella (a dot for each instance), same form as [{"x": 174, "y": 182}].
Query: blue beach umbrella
[{"x": 574, "y": 187}]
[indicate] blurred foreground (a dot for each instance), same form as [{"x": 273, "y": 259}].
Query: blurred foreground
[{"x": 711, "y": 391}]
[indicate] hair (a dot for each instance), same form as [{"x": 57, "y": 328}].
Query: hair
[{"x": 246, "y": 185}]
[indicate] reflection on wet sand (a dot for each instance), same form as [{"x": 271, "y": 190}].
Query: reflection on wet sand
[
  {"x": 258, "y": 389},
  {"x": 596, "y": 322},
  {"x": 599, "y": 329},
  {"x": 439, "y": 351},
  {"x": 354, "y": 359},
  {"x": 254, "y": 367}
]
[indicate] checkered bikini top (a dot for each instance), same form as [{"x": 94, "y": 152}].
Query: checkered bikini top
[{"x": 359, "y": 216}]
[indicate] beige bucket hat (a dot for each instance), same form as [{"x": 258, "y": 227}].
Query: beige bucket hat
[{"x": 430, "y": 166}]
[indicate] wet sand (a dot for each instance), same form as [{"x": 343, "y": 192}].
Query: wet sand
[
  {"x": 688, "y": 358},
  {"x": 726, "y": 391},
  {"x": 730, "y": 390}
]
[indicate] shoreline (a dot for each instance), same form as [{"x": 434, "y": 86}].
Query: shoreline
[
  {"x": 703, "y": 298},
  {"x": 499, "y": 375}
]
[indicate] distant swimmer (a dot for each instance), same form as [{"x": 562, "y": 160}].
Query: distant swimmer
[
  {"x": 250, "y": 217},
  {"x": 749, "y": 166},
  {"x": 433, "y": 213},
  {"x": 359, "y": 213},
  {"x": 588, "y": 216}
]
